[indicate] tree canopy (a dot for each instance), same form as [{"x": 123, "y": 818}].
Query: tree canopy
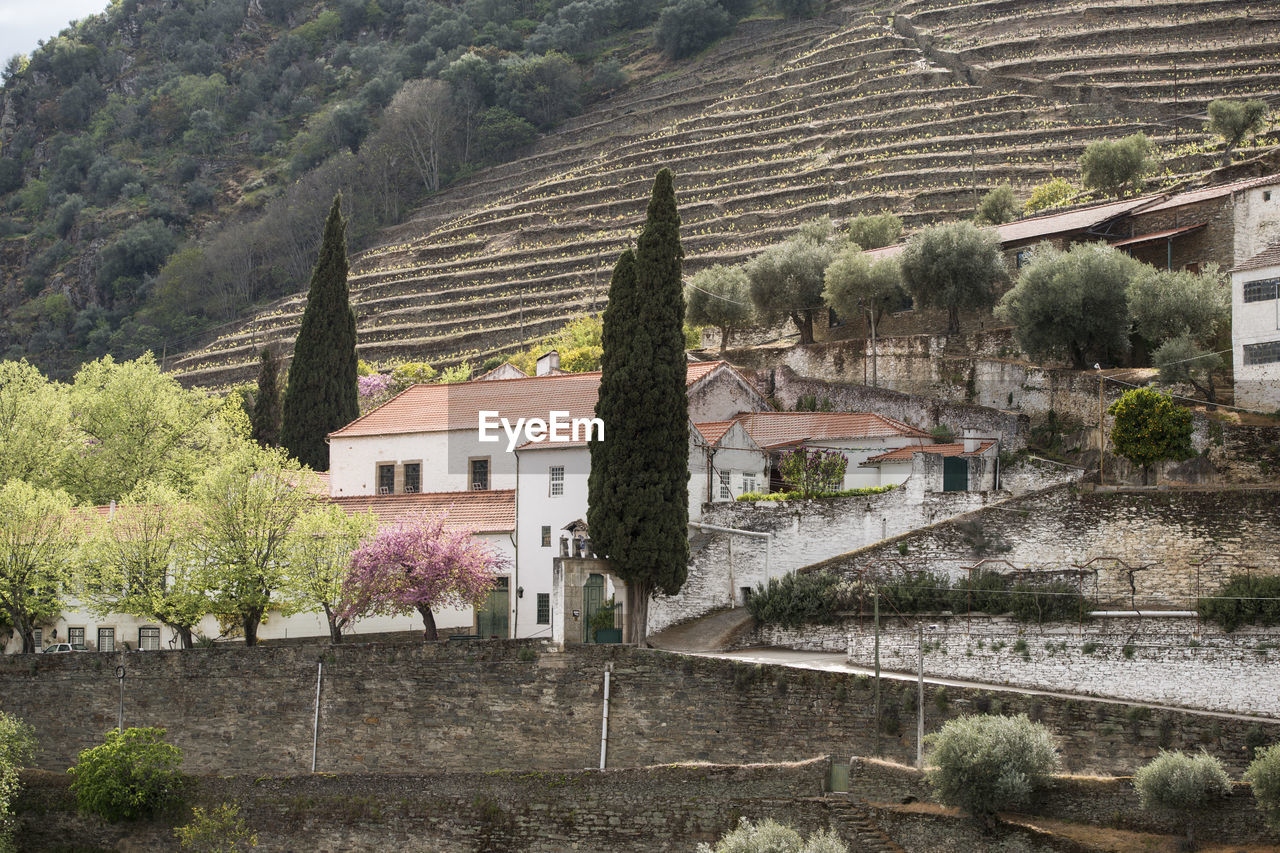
[
  {"x": 1117, "y": 167},
  {"x": 873, "y": 231},
  {"x": 317, "y": 562},
  {"x": 787, "y": 279},
  {"x": 37, "y": 544},
  {"x": 997, "y": 206},
  {"x": 1234, "y": 121},
  {"x": 320, "y": 395},
  {"x": 719, "y": 296},
  {"x": 1072, "y": 304},
  {"x": 1149, "y": 428},
  {"x": 957, "y": 267}
]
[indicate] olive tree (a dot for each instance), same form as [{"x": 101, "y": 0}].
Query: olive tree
[
  {"x": 1072, "y": 304},
  {"x": 873, "y": 231},
  {"x": 997, "y": 206},
  {"x": 1236, "y": 120},
  {"x": 957, "y": 267},
  {"x": 1263, "y": 776},
  {"x": 1117, "y": 167},
  {"x": 787, "y": 279},
  {"x": 719, "y": 296},
  {"x": 986, "y": 764},
  {"x": 1182, "y": 785},
  {"x": 1183, "y": 314},
  {"x": 856, "y": 284}
]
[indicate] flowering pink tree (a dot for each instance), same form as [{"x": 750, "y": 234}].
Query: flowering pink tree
[{"x": 420, "y": 566}]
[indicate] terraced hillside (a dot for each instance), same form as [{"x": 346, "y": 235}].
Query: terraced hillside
[{"x": 915, "y": 111}]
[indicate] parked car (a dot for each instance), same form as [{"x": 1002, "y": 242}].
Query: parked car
[{"x": 65, "y": 647}]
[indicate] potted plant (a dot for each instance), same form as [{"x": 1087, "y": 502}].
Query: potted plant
[{"x": 602, "y": 629}]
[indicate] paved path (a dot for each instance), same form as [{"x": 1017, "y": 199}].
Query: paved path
[
  {"x": 711, "y": 633},
  {"x": 838, "y": 662}
]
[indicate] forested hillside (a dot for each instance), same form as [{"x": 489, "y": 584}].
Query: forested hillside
[{"x": 167, "y": 164}]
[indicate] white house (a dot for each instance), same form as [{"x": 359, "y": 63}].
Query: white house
[{"x": 1255, "y": 330}]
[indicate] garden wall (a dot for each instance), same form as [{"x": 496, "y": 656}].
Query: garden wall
[
  {"x": 1137, "y": 548},
  {"x": 433, "y": 708}
]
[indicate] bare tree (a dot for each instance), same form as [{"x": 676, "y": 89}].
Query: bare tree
[{"x": 422, "y": 120}]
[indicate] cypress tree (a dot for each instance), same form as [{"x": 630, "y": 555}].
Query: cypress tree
[
  {"x": 321, "y": 392},
  {"x": 638, "y": 492},
  {"x": 266, "y": 407}
]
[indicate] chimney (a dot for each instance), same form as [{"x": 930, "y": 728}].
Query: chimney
[
  {"x": 548, "y": 363},
  {"x": 971, "y": 440}
]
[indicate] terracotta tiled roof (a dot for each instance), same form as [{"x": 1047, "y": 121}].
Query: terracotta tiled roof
[
  {"x": 775, "y": 429},
  {"x": 1268, "y": 257},
  {"x": 437, "y": 408},
  {"x": 713, "y": 431},
  {"x": 904, "y": 454},
  {"x": 1207, "y": 193},
  {"x": 481, "y": 511}
]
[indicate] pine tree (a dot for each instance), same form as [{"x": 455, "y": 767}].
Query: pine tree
[
  {"x": 639, "y": 486},
  {"x": 266, "y": 408},
  {"x": 321, "y": 393}
]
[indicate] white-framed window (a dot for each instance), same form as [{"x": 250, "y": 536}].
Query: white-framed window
[
  {"x": 75, "y": 636},
  {"x": 556, "y": 474},
  {"x": 748, "y": 483},
  {"x": 37, "y": 635},
  {"x": 106, "y": 639},
  {"x": 544, "y": 608},
  {"x": 726, "y": 493},
  {"x": 149, "y": 639}
]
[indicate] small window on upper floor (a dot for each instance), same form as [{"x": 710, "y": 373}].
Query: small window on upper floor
[
  {"x": 556, "y": 473},
  {"x": 386, "y": 479},
  {"x": 479, "y": 474},
  {"x": 412, "y": 477},
  {"x": 546, "y": 536}
]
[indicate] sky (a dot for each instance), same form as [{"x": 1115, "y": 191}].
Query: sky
[{"x": 24, "y": 22}]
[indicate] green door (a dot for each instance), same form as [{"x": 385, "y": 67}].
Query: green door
[
  {"x": 592, "y": 601},
  {"x": 493, "y": 617},
  {"x": 955, "y": 474}
]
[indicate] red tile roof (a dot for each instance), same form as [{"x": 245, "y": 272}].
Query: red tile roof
[
  {"x": 713, "y": 431},
  {"x": 1268, "y": 257},
  {"x": 904, "y": 454},
  {"x": 437, "y": 408},
  {"x": 480, "y": 511},
  {"x": 776, "y": 429}
]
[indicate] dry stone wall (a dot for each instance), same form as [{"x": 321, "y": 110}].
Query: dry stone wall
[
  {"x": 1135, "y": 548},
  {"x": 483, "y": 706}
]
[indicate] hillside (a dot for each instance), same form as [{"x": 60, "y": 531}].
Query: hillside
[{"x": 858, "y": 111}]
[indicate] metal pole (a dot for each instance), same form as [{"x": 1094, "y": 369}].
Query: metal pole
[
  {"x": 120, "y": 719},
  {"x": 315, "y": 722},
  {"x": 1102, "y": 446},
  {"x": 877, "y": 618},
  {"x": 604, "y": 728},
  {"x": 919, "y": 695}
]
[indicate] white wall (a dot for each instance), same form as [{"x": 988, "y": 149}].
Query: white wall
[
  {"x": 536, "y": 507},
  {"x": 1257, "y": 221},
  {"x": 1256, "y": 386},
  {"x": 734, "y": 454},
  {"x": 444, "y": 457}
]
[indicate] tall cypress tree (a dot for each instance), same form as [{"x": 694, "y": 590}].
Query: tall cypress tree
[
  {"x": 321, "y": 392},
  {"x": 638, "y": 491},
  {"x": 266, "y": 407}
]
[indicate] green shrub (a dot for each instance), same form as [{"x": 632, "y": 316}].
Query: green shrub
[
  {"x": 687, "y": 26},
  {"x": 17, "y": 745},
  {"x": 1263, "y": 776},
  {"x": 131, "y": 775},
  {"x": 1243, "y": 600},
  {"x": 799, "y": 599},
  {"x": 986, "y": 764},
  {"x": 769, "y": 836},
  {"x": 219, "y": 830},
  {"x": 796, "y": 496},
  {"x": 1182, "y": 784}
]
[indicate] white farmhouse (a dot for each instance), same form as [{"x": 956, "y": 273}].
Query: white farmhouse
[{"x": 1255, "y": 330}]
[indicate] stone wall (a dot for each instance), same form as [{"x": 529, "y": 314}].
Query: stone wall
[
  {"x": 1134, "y": 548},
  {"x": 669, "y": 808},
  {"x": 489, "y": 705},
  {"x": 803, "y": 532},
  {"x": 1160, "y": 660},
  {"x": 1102, "y": 801}
]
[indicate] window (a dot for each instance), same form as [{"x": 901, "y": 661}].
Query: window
[
  {"x": 1260, "y": 291},
  {"x": 38, "y": 637},
  {"x": 480, "y": 474},
  {"x": 1266, "y": 195},
  {"x": 748, "y": 483},
  {"x": 106, "y": 639},
  {"x": 725, "y": 493},
  {"x": 1266, "y": 353},
  {"x": 412, "y": 477},
  {"x": 544, "y": 608},
  {"x": 1021, "y": 258},
  {"x": 149, "y": 639},
  {"x": 386, "y": 479},
  {"x": 546, "y": 536},
  {"x": 557, "y": 480},
  {"x": 75, "y": 636}
]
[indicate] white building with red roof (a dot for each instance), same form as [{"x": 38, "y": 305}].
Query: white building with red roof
[{"x": 1255, "y": 330}]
